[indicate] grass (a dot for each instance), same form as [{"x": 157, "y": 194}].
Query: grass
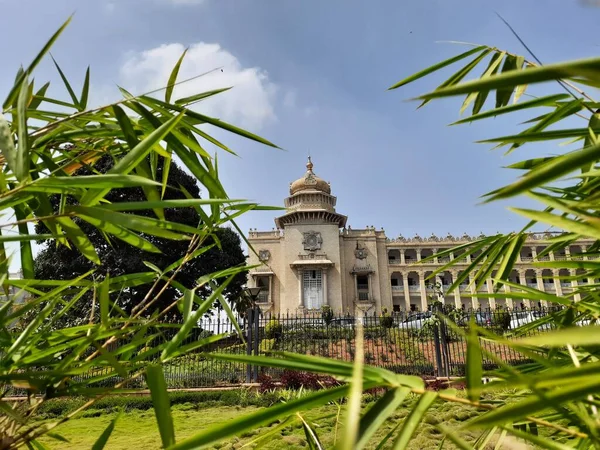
[{"x": 137, "y": 429}]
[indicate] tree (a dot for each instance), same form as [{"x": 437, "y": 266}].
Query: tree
[{"x": 118, "y": 258}]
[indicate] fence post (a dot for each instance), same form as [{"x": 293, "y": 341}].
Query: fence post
[{"x": 249, "y": 324}]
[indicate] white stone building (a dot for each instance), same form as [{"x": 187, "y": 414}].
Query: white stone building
[{"x": 313, "y": 259}]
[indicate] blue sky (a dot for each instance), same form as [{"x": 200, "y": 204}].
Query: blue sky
[{"x": 311, "y": 76}]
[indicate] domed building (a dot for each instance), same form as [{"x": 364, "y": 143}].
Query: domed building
[{"x": 313, "y": 259}]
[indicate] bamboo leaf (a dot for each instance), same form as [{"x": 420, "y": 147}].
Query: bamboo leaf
[
  {"x": 481, "y": 96},
  {"x": 25, "y": 73},
  {"x": 155, "y": 379},
  {"x": 173, "y": 77},
  {"x": 437, "y": 67},
  {"x": 413, "y": 420},
  {"x": 186, "y": 101},
  {"x": 85, "y": 90},
  {"x": 586, "y": 68},
  {"x": 581, "y": 335},
  {"x": 103, "y": 439},
  {"x": 104, "y": 299},
  {"x": 67, "y": 85},
  {"x": 7, "y": 145},
  {"x": 503, "y": 95},
  {"x": 550, "y": 171},
  {"x": 22, "y": 156},
  {"x": 474, "y": 361},
  {"x": 261, "y": 417}
]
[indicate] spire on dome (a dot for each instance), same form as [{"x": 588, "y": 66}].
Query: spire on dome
[{"x": 309, "y": 164}]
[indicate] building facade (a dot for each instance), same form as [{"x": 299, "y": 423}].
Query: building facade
[{"x": 313, "y": 258}]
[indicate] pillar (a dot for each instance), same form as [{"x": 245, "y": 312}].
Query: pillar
[
  {"x": 523, "y": 282},
  {"x": 435, "y": 258},
  {"x": 575, "y": 284},
  {"x": 422, "y": 289},
  {"x": 457, "y": 302},
  {"x": 406, "y": 289},
  {"x": 540, "y": 285},
  {"x": 402, "y": 258},
  {"x": 557, "y": 285},
  {"x": 490, "y": 289},
  {"x": 325, "y": 300},
  {"x": 418, "y": 251}
]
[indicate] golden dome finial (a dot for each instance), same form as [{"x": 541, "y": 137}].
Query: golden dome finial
[{"x": 309, "y": 165}]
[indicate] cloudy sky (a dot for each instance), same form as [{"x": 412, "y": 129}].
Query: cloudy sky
[{"x": 311, "y": 76}]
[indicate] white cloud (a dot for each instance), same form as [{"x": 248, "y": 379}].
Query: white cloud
[{"x": 248, "y": 104}]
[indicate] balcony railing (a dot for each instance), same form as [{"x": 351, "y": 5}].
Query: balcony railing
[
  {"x": 393, "y": 261},
  {"x": 414, "y": 288},
  {"x": 532, "y": 285},
  {"x": 312, "y": 256},
  {"x": 364, "y": 287},
  {"x": 263, "y": 297},
  {"x": 526, "y": 258},
  {"x": 548, "y": 285},
  {"x": 444, "y": 260},
  {"x": 397, "y": 288},
  {"x": 363, "y": 296}
]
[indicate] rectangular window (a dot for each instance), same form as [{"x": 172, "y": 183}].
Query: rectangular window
[
  {"x": 312, "y": 289},
  {"x": 395, "y": 282}
]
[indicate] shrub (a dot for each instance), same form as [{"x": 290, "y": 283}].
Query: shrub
[
  {"x": 293, "y": 379},
  {"x": 386, "y": 320},
  {"x": 326, "y": 314},
  {"x": 501, "y": 320},
  {"x": 273, "y": 330}
]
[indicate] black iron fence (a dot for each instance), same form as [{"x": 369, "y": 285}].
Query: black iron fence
[{"x": 416, "y": 343}]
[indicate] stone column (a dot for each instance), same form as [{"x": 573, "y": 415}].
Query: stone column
[
  {"x": 523, "y": 281},
  {"x": 402, "y": 258},
  {"x": 418, "y": 251},
  {"x": 301, "y": 294},
  {"x": 270, "y": 298},
  {"x": 490, "y": 289},
  {"x": 557, "y": 285},
  {"x": 474, "y": 298},
  {"x": 457, "y": 302},
  {"x": 584, "y": 250},
  {"x": 540, "y": 285},
  {"x": 423, "y": 290},
  {"x": 534, "y": 252},
  {"x": 574, "y": 284},
  {"x": 325, "y": 302},
  {"x": 509, "y": 300},
  {"x": 406, "y": 291},
  {"x": 435, "y": 258},
  {"x": 355, "y": 290}
]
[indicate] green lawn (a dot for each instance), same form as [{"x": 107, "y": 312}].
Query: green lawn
[{"x": 136, "y": 429}]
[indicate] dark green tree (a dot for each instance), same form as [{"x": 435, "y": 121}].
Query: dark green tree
[{"x": 59, "y": 262}]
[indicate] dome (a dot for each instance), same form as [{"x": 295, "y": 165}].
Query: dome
[{"x": 310, "y": 181}]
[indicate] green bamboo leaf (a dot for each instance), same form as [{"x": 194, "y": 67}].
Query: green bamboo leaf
[
  {"x": 121, "y": 233},
  {"x": 520, "y": 90},
  {"x": 133, "y": 157},
  {"x": 26, "y": 252},
  {"x": 585, "y": 335},
  {"x": 586, "y": 68},
  {"x": 114, "y": 181},
  {"x": 539, "y": 136},
  {"x": 155, "y": 379},
  {"x": 581, "y": 228},
  {"x": 262, "y": 417},
  {"x": 57, "y": 436},
  {"x": 67, "y": 85},
  {"x": 7, "y": 145},
  {"x": 481, "y": 97},
  {"x": 103, "y": 439},
  {"x": 85, "y": 90},
  {"x": 188, "y": 301},
  {"x": 78, "y": 238},
  {"x": 173, "y": 77},
  {"x": 413, "y": 420},
  {"x": 126, "y": 126},
  {"x": 474, "y": 361},
  {"x": 379, "y": 413},
  {"x": 503, "y": 95},
  {"x": 530, "y": 163},
  {"x": 38, "y": 97},
  {"x": 437, "y": 67},
  {"x": 458, "y": 76},
  {"x": 143, "y": 224},
  {"x": 192, "y": 320},
  {"x": 103, "y": 291},
  {"x": 12, "y": 95},
  {"x": 186, "y": 101},
  {"x": 22, "y": 156},
  {"x": 550, "y": 171}
]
